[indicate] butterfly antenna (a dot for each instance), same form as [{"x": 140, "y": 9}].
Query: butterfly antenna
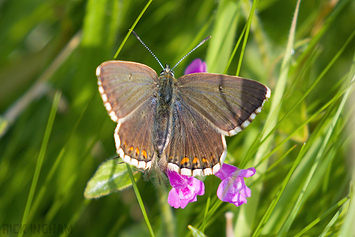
[
  {"x": 203, "y": 41},
  {"x": 156, "y": 58}
]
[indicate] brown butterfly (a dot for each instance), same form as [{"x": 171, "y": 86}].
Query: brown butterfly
[{"x": 176, "y": 124}]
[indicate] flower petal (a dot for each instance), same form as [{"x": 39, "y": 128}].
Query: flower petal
[
  {"x": 173, "y": 198},
  {"x": 232, "y": 189},
  {"x": 196, "y": 66},
  {"x": 226, "y": 171},
  {"x": 184, "y": 189},
  {"x": 247, "y": 172},
  {"x": 199, "y": 187}
]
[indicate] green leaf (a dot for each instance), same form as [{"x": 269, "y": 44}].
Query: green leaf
[
  {"x": 109, "y": 177},
  {"x": 195, "y": 232}
]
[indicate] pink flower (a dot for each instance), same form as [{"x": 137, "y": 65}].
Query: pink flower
[
  {"x": 232, "y": 189},
  {"x": 196, "y": 66},
  {"x": 185, "y": 189}
]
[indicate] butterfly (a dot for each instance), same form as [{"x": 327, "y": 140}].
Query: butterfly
[{"x": 176, "y": 124}]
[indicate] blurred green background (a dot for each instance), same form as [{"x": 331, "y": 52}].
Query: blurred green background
[{"x": 48, "y": 46}]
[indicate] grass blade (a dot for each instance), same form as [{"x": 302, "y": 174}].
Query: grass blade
[{"x": 40, "y": 159}]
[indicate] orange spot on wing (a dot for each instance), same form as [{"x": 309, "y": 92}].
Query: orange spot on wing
[
  {"x": 137, "y": 151},
  {"x": 195, "y": 160},
  {"x": 206, "y": 162},
  {"x": 185, "y": 160},
  {"x": 144, "y": 153}
]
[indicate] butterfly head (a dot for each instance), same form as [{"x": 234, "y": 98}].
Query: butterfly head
[{"x": 167, "y": 71}]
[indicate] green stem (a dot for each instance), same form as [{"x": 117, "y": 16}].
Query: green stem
[
  {"x": 132, "y": 28},
  {"x": 139, "y": 198}
]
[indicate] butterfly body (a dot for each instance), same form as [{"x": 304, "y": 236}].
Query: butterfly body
[
  {"x": 176, "y": 124},
  {"x": 165, "y": 101}
]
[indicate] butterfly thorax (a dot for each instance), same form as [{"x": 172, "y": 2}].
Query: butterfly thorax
[
  {"x": 166, "y": 81},
  {"x": 165, "y": 100}
]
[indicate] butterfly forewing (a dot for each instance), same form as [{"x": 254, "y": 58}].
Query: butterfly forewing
[
  {"x": 125, "y": 86},
  {"x": 230, "y": 103}
]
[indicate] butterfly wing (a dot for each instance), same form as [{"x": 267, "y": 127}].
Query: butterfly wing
[
  {"x": 134, "y": 136},
  {"x": 127, "y": 90},
  {"x": 195, "y": 146},
  {"x": 125, "y": 86},
  {"x": 229, "y": 103},
  {"x": 208, "y": 107}
]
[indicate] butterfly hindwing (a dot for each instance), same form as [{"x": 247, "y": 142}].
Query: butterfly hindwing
[
  {"x": 134, "y": 136},
  {"x": 195, "y": 147}
]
